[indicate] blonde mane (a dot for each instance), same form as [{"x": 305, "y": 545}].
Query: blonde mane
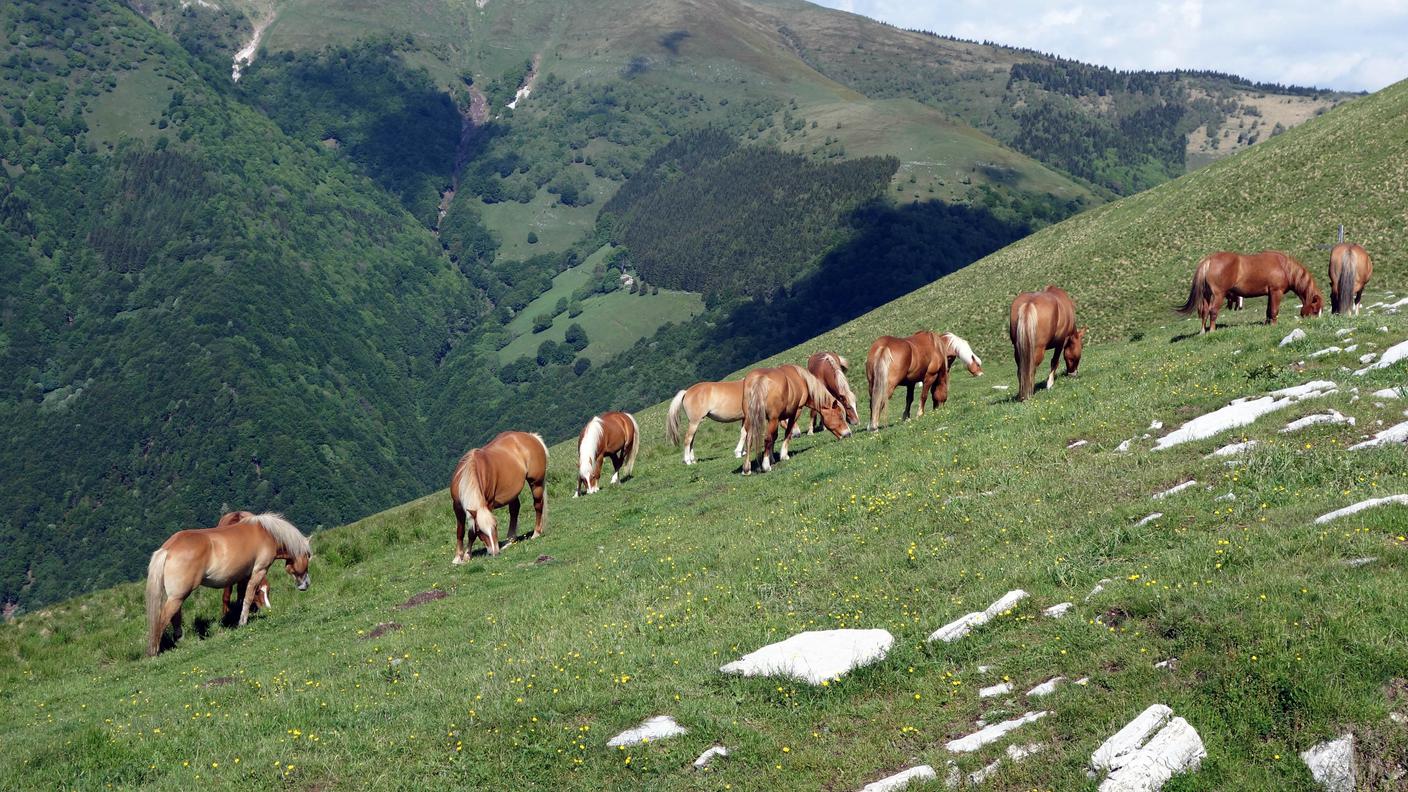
[
  {"x": 962, "y": 349},
  {"x": 470, "y": 497},
  {"x": 289, "y": 539},
  {"x": 816, "y": 389},
  {"x": 587, "y": 449}
]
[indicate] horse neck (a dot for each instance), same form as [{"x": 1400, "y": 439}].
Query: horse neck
[{"x": 1297, "y": 275}]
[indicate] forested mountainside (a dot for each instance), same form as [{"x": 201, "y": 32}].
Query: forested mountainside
[
  {"x": 199, "y": 312},
  {"x": 399, "y": 231}
]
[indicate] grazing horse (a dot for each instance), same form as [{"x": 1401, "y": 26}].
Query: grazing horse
[
  {"x": 261, "y": 594},
  {"x": 492, "y": 477},
  {"x": 1040, "y": 321},
  {"x": 921, "y": 359},
  {"x": 241, "y": 550},
  {"x": 1350, "y": 270},
  {"x": 1268, "y": 274},
  {"x": 776, "y": 395},
  {"x": 721, "y": 401},
  {"x": 612, "y": 434},
  {"x": 831, "y": 369}
]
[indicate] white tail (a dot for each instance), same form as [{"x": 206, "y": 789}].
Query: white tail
[
  {"x": 878, "y": 372},
  {"x": 672, "y": 420},
  {"x": 156, "y": 588}
]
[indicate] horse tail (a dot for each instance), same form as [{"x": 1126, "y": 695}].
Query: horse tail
[
  {"x": 672, "y": 419},
  {"x": 755, "y": 410},
  {"x": 466, "y": 484},
  {"x": 156, "y": 587},
  {"x": 632, "y": 448},
  {"x": 877, "y": 371},
  {"x": 1344, "y": 286},
  {"x": 588, "y": 446},
  {"x": 1195, "y": 292},
  {"x": 1024, "y": 348}
]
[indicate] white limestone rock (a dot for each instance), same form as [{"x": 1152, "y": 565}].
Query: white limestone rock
[
  {"x": 901, "y": 780},
  {"x": 1294, "y": 336},
  {"x": 1388, "y": 393},
  {"x": 1116, "y": 750},
  {"x": 1390, "y": 356},
  {"x": 991, "y": 734},
  {"x": 1326, "y": 351},
  {"x": 659, "y": 727},
  {"x": 1331, "y": 764},
  {"x": 1176, "y": 749},
  {"x": 1059, "y": 610},
  {"x": 1146, "y": 520},
  {"x": 1000, "y": 689},
  {"x": 1401, "y": 500},
  {"x": 815, "y": 656},
  {"x": 1233, "y": 449},
  {"x": 1397, "y": 433},
  {"x": 1099, "y": 587},
  {"x": 1076, "y": 444},
  {"x": 1329, "y": 417},
  {"x": 709, "y": 755},
  {"x": 1174, "y": 490},
  {"x": 964, "y": 624},
  {"x": 1046, "y": 688},
  {"x": 1241, "y": 412}
]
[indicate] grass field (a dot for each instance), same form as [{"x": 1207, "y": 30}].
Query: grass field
[
  {"x": 613, "y": 322},
  {"x": 132, "y": 108},
  {"x": 558, "y": 227},
  {"x": 635, "y": 597}
]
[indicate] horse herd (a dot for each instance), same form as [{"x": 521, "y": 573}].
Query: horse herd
[{"x": 236, "y": 554}]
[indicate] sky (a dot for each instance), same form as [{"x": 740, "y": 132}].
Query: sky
[{"x": 1342, "y": 44}]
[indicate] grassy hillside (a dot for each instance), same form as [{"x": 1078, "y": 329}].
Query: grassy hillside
[{"x": 629, "y": 604}]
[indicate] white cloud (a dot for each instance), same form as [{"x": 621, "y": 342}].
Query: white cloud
[{"x": 1345, "y": 44}]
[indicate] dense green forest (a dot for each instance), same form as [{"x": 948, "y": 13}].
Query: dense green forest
[
  {"x": 210, "y": 316},
  {"x": 702, "y": 199},
  {"x": 390, "y": 119}
]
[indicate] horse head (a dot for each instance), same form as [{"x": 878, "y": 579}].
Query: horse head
[
  {"x": 1313, "y": 304},
  {"x": 297, "y": 568},
  {"x": 1073, "y": 349},
  {"x": 833, "y": 417}
]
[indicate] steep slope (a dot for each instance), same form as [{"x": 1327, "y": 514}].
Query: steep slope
[
  {"x": 1283, "y": 630},
  {"x": 199, "y": 313}
]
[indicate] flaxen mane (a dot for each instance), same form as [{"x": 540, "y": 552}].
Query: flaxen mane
[{"x": 289, "y": 539}]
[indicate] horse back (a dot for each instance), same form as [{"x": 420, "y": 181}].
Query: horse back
[
  {"x": 506, "y": 462},
  {"x": 617, "y": 429}
]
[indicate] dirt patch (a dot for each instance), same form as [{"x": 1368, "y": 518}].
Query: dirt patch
[
  {"x": 422, "y": 598},
  {"x": 545, "y": 559},
  {"x": 1382, "y": 757},
  {"x": 382, "y": 629},
  {"x": 220, "y": 681},
  {"x": 1114, "y": 617}
]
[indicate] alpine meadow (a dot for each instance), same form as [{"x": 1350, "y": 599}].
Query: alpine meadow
[{"x": 300, "y": 256}]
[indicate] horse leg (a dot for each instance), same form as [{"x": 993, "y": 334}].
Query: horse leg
[
  {"x": 813, "y": 425},
  {"x": 225, "y": 601},
  {"x": 1273, "y": 306},
  {"x": 769, "y": 440},
  {"x": 689, "y": 441},
  {"x": 617, "y": 460},
  {"x": 540, "y": 507},
  {"x": 487, "y": 528},
  {"x": 787, "y": 437},
  {"x": 513, "y": 507},
  {"x": 596, "y": 477},
  {"x": 908, "y": 400},
  {"x": 170, "y": 613},
  {"x": 741, "y": 449},
  {"x": 1055, "y": 361},
  {"x": 461, "y": 555},
  {"x": 255, "y": 581}
]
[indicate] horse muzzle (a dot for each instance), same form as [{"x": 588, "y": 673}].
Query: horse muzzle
[{"x": 303, "y": 580}]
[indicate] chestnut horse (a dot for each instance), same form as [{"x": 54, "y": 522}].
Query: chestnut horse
[
  {"x": 613, "y": 434},
  {"x": 831, "y": 369},
  {"x": 241, "y": 550},
  {"x": 492, "y": 477},
  {"x": 773, "y": 396},
  {"x": 921, "y": 359},
  {"x": 261, "y": 594},
  {"x": 1268, "y": 274},
  {"x": 722, "y": 401},
  {"x": 1040, "y": 321},
  {"x": 1350, "y": 270}
]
